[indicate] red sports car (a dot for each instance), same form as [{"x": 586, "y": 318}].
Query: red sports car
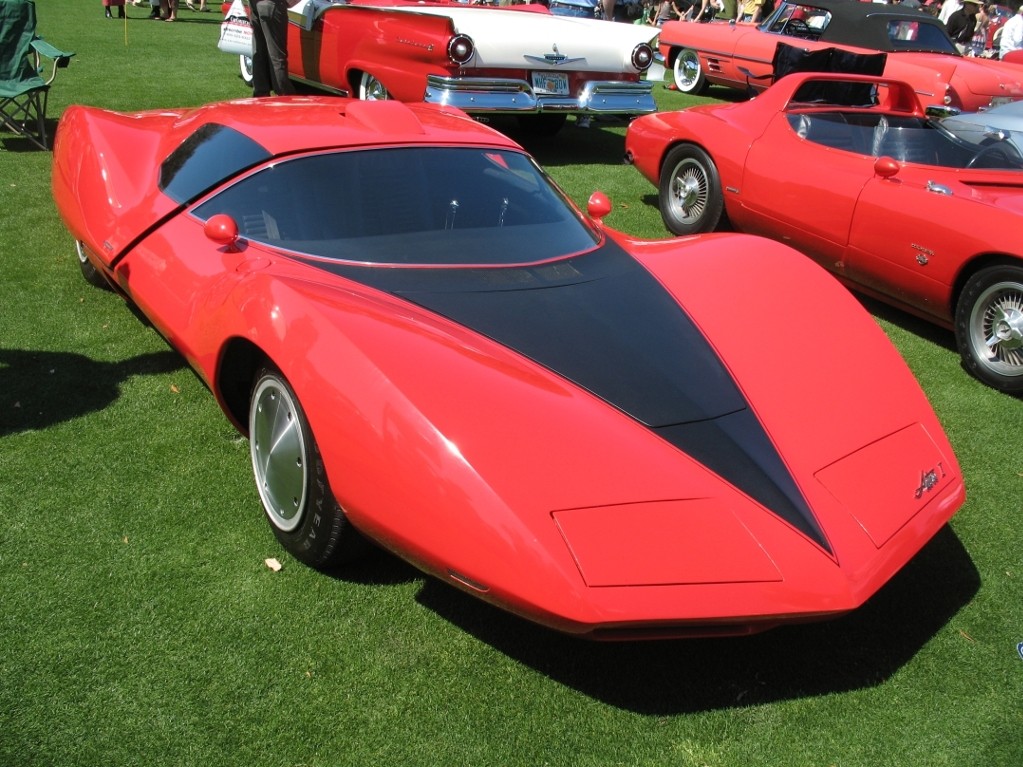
[
  {"x": 887, "y": 199},
  {"x": 424, "y": 341},
  {"x": 919, "y": 51},
  {"x": 482, "y": 59}
]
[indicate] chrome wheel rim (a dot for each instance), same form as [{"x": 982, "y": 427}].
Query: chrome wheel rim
[
  {"x": 689, "y": 191},
  {"x": 687, "y": 70},
  {"x": 278, "y": 454},
  {"x": 372, "y": 89},
  {"x": 996, "y": 328},
  {"x": 80, "y": 250}
]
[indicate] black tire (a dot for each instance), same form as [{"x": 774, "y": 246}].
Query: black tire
[
  {"x": 688, "y": 74},
  {"x": 989, "y": 327},
  {"x": 292, "y": 480},
  {"x": 89, "y": 272},
  {"x": 690, "y": 195}
]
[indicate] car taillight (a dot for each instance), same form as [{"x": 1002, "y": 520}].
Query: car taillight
[
  {"x": 642, "y": 56},
  {"x": 461, "y": 49}
]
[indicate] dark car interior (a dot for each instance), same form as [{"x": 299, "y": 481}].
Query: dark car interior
[
  {"x": 425, "y": 205},
  {"x": 904, "y": 138}
]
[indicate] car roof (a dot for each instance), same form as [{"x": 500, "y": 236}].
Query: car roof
[
  {"x": 864, "y": 24},
  {"x": 287, "y": 124}
]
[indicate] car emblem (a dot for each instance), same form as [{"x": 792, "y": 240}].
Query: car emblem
[
  {"x": 929, "y": 480},
  {"x": 556, "y": 57}
]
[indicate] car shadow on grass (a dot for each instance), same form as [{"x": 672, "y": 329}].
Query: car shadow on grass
[
  {"x": 39, "y": 389},
  {"x": 859, "y": 650},
  {"x": 602, "y": 142}
]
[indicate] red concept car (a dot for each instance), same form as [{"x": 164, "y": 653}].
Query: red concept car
[
  {"x": 891, "y": 202},
  {"x": 482, "y": 59},
  {"x": 425, "y": 342},
  {"x": 919, "y": 51}
]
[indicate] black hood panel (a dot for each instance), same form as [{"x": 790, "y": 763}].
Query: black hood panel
[{"x": 603, "y": 322}]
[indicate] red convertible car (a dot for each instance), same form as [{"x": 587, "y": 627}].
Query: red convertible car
[
  {"x": 919, "y": 51},
  {"x": 426, "y": 342},
  {"x": 482, "y": 59},
  {"x": 888, "y": 200}
]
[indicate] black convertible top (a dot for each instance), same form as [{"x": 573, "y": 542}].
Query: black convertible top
[{"x": 877, "y": 26}]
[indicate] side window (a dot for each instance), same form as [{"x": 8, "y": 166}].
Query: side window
[{"x": 207, "y": 157}]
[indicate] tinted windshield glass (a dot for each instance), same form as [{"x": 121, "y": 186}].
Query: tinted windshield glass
[{"x": 415, "y": 205}]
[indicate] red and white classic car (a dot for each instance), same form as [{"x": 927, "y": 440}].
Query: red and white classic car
[
  {"x": 919, "y": 51},
  {"x": 482, "y": 59}
]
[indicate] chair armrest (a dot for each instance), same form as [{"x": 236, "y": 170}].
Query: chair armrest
[{"x": 43, "y": 49}]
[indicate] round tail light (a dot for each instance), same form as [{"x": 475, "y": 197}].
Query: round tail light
[
  {"x": 642, "y": 57},
  {"x": 460, "y": 49}
]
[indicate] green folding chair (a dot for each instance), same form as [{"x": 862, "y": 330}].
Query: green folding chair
[{"x": 23, "y": 58}]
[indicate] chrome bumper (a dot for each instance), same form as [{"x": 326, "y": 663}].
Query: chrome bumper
[{"x": 497, "y": 95}]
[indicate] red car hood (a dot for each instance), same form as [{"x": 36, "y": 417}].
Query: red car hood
[{"x": 612, "y": 504}]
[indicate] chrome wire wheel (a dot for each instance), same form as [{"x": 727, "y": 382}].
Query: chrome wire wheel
[
  {"x": 279, "y": 453},
  {"x": 689, "y": 192},
  {"x": 996, "y": 328}
]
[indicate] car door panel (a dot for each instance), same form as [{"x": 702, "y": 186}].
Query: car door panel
[
  {"x": 801, "y": 192},
  {"x": 908, "y": 240}
]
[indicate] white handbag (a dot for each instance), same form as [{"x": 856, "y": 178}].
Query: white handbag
[{"x": 236, "y": 31}]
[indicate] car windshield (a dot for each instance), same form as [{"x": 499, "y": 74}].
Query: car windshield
[
  {"x": 803, "y": 21},
  {"x": 407, "y": 206}
]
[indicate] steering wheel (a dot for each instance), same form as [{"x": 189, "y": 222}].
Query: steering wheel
[
  {"x": 797, "y": 28},
  {"x": 1008, "y": 152}
]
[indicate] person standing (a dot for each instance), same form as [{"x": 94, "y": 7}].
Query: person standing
[
  {"x": 948, "y": 7},
  {"x": 962, "y": 24},
  {"x": 1012, "y": 35},
  {"x": 119, "y": 4},
  {"x": 270, "y": 48},
  {"x": 750, "y": 11}
]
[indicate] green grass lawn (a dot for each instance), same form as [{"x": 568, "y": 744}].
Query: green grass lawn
[{"x": 140, "y": 626}]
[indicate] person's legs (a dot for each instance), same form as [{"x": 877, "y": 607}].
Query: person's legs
[
  {"x": 273, "y": 21},
  {"x": 260, "y": 55}
]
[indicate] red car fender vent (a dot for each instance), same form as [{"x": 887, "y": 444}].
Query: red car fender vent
[
  {"x": 461, "y": 49},
  {"x": 660, "y": 543}
]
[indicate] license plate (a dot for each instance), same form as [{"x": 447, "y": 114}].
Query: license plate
[{"x": 550, "y": 83}]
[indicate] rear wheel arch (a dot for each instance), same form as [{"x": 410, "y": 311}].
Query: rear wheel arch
[{"x": 239, "y": 362}]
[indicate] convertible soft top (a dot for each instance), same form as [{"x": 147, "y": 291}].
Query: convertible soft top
[{"x": 865, "y": 25}]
